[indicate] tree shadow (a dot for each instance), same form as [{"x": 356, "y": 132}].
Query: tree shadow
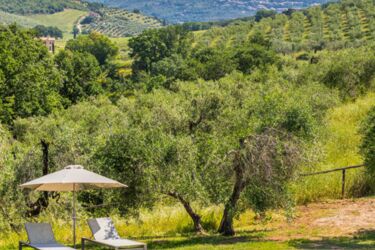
[
  {"x": 213, "y": 240},
  {"x": 363, "y": 239}
]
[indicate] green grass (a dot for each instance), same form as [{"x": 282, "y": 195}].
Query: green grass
[
  {"x": 63, "y": 20},
  {"x": 340, "y": 148},
  {"x": 122, "y": 44}
]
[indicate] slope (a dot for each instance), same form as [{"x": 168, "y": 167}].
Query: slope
[{"x": 334, "y": 26}]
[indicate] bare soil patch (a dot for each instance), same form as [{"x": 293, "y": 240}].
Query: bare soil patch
[{"x": 336, "y": 218}]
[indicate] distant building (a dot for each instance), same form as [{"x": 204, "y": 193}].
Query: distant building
[{"x": 49, "y": 42}]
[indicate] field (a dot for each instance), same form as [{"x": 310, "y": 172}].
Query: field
[{"x": 63, "y": 20}]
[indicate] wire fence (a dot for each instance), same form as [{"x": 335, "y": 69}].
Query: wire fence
[{"x": 343, "y": 177}]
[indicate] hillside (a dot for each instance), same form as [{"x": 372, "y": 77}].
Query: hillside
[
  {"x": 9, "y": 18},
  {"x": 115, "y": 22},
  {"x": 178, "y": 11},
  {"x": 64, "y": 20},
  {"x": 65, "y": 15},
  {"x": 338, "y": 25}
]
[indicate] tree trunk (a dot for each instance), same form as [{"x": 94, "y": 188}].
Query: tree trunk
[
  {"x": 193, "y": 215},
  {"x": 43, "y": 201},
  {"x": 226, "y": 224},
  {"x": 45, "y": 150}
]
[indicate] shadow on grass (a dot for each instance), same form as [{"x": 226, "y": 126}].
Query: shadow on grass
[
  {"x": 363, "y": 239},
  {"x": 170, "y": 242}
]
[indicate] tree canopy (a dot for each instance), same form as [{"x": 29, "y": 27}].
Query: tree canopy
[{"x": 29, "y": 82}]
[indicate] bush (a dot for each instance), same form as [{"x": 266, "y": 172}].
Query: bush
[
  {"x": 368, "y": 141},
  {"x": 88, "y": 20},
  {"x": 42, "y": 30}
]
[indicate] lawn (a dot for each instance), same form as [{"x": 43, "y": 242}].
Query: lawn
[{"x": 64, "y": 20}]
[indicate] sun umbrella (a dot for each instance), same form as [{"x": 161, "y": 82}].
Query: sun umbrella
[{"x": 72, "y": 178}]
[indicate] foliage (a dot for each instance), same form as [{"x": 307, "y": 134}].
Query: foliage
[
  {"x": 254, "y": 56},
  {"x": 368, "y": 142},
  {"x": 352, "y": 73},
  {"x": 29, "y": 82},
  {"x": 155, "y": 45},
  {"x": 166, "y": 55},
  {"x": 87, "y": 20},
  {"x": 48, "y": 31},
  {"x": 81, "y": 75},
  {"x": 264, "y": 14},
  {"x": 96, "y": 44}
]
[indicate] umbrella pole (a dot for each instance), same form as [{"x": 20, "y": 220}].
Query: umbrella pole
[{"x": 74, "y": 215}]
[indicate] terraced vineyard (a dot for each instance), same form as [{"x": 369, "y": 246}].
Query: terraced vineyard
[
  {"x": 115, "y": 22},
  {"x": 336, "y": 25}
]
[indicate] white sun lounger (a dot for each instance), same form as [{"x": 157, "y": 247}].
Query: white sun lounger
[
  {"x": 41, "y": 237},
  {"x": 105, "y": 234}
]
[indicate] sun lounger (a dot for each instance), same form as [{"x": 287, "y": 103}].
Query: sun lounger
[
  {"x": 105, "y": 234},
  {"x": 41, "y": 237}
]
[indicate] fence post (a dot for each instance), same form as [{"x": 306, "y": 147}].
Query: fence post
[{"x": 343, "y": 184}]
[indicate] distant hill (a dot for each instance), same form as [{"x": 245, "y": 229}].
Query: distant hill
[
  {"x": 177, "y": 11},
  {"x": 38, "y": 6}
]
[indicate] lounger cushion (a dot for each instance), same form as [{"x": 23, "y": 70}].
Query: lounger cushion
[
  {"x": 121, "y": 243},
  {"x": 40, "y": 233},
  {"x": 103, "y": 229},
  {"x": 51, "y": 247}
]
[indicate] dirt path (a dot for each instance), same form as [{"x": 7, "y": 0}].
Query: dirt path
[
  {"x": 78, "y": 23},
  {"x": 327, "y": 219}
]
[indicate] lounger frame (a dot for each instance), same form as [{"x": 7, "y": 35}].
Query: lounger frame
[
  {"x": 25, "y": 244},
  {"x": 141, "y": 246}
]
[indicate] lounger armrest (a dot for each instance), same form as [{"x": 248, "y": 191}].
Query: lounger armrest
[{"x": 86, "y": 239}]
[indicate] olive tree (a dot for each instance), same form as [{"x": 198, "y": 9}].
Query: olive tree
[{"x": 264, "y": 160}]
